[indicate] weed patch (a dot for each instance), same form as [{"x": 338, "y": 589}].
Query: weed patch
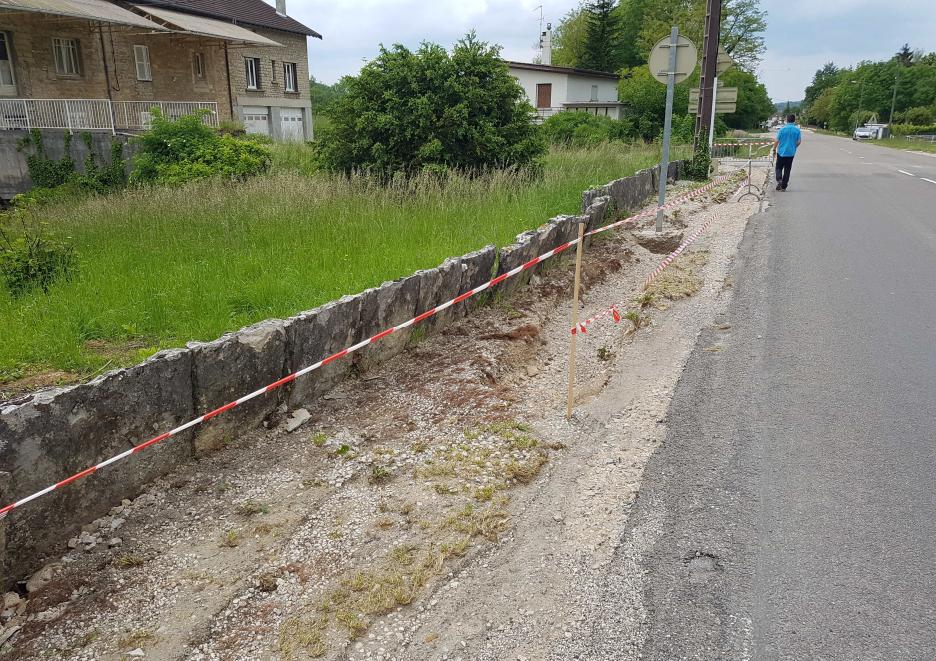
[{"x": 681, "y": 279}]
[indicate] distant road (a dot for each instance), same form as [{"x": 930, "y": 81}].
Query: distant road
[{"x": 797, "y": 485}]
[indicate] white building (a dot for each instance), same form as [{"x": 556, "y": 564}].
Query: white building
[{"x": 554, "y": 89}]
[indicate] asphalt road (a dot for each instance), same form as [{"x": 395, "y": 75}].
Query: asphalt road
[{"x": 791, "y": 513}]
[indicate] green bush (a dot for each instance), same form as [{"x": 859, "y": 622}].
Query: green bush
[
  {"x": 698, "y": 168},
  {"x": 919, "y": 116},
  {"x": 899, "y": 130},
  {"x": 34, "y": 261},
  {"x": 45, "y": 172},
  {"x": 582, "y": 129},
  {"x": 408, "y": 110},
  {"x": 173, "y": 152}
]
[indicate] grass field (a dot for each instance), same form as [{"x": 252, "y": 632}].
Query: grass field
[
  {"x": 161, "y": 266},
  {"x": 911, "y": 145}
]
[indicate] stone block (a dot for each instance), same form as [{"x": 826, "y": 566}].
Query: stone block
[
  {"x": 53, "y": 434},
  {"x": 316, "y": 334},
  {"x": 661, "y": 243},
  {"x": 476, "y": 268},
  {"x": 233, "y": 366}
]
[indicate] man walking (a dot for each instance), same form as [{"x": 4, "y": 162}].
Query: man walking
[{"x": 785, "y": 144}]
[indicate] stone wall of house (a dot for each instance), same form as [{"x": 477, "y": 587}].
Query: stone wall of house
[
  {"x": 172, "y": 62},
  {"x": 271, "y": 69},
  {"x": 33, "y": 60}
]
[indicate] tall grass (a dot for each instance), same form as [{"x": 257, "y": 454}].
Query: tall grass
[{"x": 162, "y": 266}]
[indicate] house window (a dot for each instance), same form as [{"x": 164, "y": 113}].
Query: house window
[
  {"x": 544, "y": 95},
  {"x": 141, "y": 56},
  {"x": 594, "y": 96},
  {"x": 7, "y": 83},
  {"x": 252, "y": 66},
  {"x": 198, "y": 65},
  {"x": 290, "y": 81},
  {"x": 66, "y": 57}
]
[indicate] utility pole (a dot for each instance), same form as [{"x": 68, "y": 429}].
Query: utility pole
[
  {"x": 890, "y": 117},
  {"x": 713, "y": 9},
  {"x": 860, "y": 101}
]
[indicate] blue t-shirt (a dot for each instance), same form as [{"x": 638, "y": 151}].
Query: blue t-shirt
[{"x": 788, "y": 136}]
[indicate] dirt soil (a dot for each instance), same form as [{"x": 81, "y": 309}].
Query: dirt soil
[{"x": 441, "y": 507}]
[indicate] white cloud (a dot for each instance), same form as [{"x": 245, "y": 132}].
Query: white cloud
[
  {"x": 802, "y": 35},
  {"x": 354, "y": 30}
]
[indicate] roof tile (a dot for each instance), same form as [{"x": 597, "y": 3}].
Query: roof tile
[{"x": 248, "y": 12}]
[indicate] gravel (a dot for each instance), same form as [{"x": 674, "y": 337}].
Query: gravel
[{"x": 216, "y": 559}]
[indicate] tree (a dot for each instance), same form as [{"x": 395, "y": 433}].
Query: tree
[
  {"x": 641, "y": 23},
  {"x": 602, "y": 48},
  {"x": 905, "y": 55},
  {"x": 632, "y": 13},
  {"x": 429, "y": 109},
  {"x": 742, "y": 26},
  {"x": 645, "y": 100},
  {"x": 569, "y": 38},
  {"x": 742, "y": 32},
  {"x": 824, "y": 78},
  {"x": 322, "y": 95},
  {"x": 820, "y": 112},
  {"x": 753, "y": 106}
]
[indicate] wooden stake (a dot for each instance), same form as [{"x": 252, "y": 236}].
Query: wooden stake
[{"x": 575, "y": 307}]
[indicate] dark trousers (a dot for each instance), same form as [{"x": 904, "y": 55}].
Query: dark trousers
[{"x": 784, "y": 165}]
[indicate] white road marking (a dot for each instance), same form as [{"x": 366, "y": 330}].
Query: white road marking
[
  {"x": 929, "y": 180},
  {"x": 909, "y": 174},
  {"x": 861, "y": 157}
]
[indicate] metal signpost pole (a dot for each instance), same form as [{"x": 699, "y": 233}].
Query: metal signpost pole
[
  {"x": 667, "y": 124},
  {"x": 711, "y": 133}
]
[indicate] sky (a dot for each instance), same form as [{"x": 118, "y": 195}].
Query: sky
[{"x": 802, "y": 35}]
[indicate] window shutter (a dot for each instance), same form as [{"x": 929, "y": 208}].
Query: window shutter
[{"x": 141, "y": 55}]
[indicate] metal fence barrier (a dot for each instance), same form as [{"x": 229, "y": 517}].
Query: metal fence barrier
[{"x": 95, "y": 114}]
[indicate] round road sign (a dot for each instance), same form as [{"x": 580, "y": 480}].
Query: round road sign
[{"x": 686, "y": 58}]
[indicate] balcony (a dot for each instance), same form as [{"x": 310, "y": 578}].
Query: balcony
[{"x": 95, "y": 114}]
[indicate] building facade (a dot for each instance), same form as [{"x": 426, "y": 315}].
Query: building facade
[
  {"x": 105, "y": 66},
  {"x": 552, "y": 89}
]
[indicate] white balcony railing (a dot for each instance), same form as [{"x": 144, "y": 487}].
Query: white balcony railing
[
  {"x": 95, "y": 114},
  {"x": 137, "y": 115},
  {"x": 543, "y": 113}
]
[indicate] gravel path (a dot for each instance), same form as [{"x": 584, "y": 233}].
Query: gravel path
[{"x": 441, "y": 507}]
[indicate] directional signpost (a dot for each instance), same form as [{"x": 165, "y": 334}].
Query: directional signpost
[
  {"x": 726, "y": 99},
  {"x": 671, "y": 61},
  {"x": 723, "y": 62}
]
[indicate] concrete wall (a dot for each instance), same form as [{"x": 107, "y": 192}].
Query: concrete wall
[
  {"x": 14, "y": 175},
  {"x": 52, "y": 434},
  {"x": 630, "y": 193}
]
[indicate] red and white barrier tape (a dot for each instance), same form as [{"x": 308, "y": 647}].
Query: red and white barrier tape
[
  {"x": 613, "y": 309},
  {"x": 741, "y": 144},
  {"x": 344, "y": 352}
]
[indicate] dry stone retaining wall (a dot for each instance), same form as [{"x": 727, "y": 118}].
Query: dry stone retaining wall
[{"x": 55, "y": 433}]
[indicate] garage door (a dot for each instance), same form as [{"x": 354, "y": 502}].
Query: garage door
[
  {"x": 256, "y": 119},
  {"x": 291, "y": 124}
]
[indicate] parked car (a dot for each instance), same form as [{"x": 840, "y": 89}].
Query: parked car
[{"x": 863, "y": 133}]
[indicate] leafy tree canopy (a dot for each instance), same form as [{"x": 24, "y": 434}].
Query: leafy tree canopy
[
  {"x": 841, "y": 97},
  {"x": 431, "y": 109}
]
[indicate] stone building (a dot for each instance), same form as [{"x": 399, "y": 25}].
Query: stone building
[{"x": 99, "y": 65}]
